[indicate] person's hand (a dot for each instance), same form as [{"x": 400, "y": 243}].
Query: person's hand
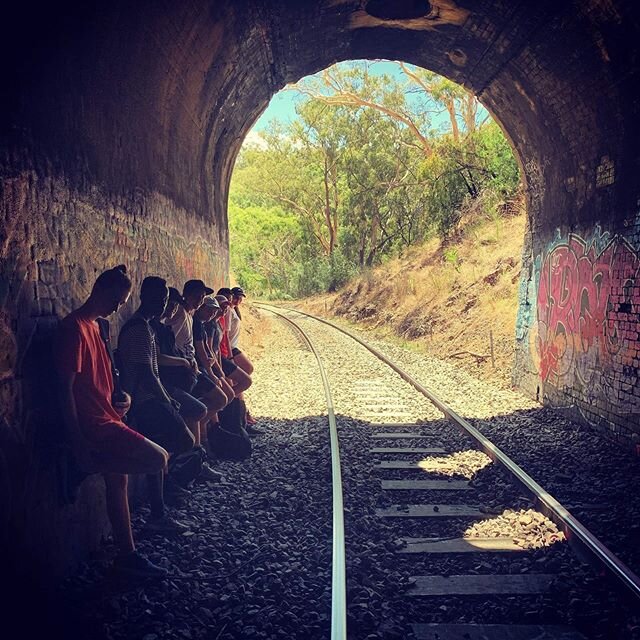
[
  {"x": 123, "y": 405},
  {"x": 175, "y": 404}
]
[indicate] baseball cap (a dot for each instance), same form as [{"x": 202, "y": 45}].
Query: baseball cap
[
  {"x": 238, "y": 292},
  {"x": 193, "y": 286},
  {"x": 210, "y": 302},
  {"x": 174, "y": 296}
]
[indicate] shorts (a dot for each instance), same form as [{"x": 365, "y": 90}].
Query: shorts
[
  {"x": 162, "y": 423},
  {"x": 203, "y": 386},
  {"x": 228, "y": 366},
  {"x": 235, "y": 351},
  {"x": 114, "y": 440},
  {"x": 190, "y": 407}
]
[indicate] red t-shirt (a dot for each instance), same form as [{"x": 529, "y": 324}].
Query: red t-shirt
[
  {"x": 80, "y": 350},
  {"x": 225, "y": 347}
]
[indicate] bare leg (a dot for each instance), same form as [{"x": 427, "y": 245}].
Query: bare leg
[
  {"x": 227, "y": 389},
  {"x": 243, "y": 362},
  {"x": 155, "y": 491},
  {"x": 240, "y": 380},
  {"x": 215, "y": 399},
  {"x": 194, "y": 426},
  {"x": 118, "y": 511}
]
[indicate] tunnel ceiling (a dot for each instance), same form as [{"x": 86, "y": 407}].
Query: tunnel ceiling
[{"x": 158, "y": 96}]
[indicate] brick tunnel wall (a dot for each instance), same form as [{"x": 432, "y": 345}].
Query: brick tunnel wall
[{"x": 119, "y": 131}]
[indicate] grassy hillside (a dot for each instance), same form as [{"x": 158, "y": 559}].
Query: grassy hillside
[{"x": 445, "y": 299}]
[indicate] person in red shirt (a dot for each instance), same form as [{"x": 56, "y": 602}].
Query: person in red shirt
[
  {"x": 93, "y": 416},
  {"x": 240, "y": 380}
]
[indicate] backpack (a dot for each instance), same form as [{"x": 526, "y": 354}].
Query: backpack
[
  {"x": 228, "y": 440},
  {"x": 184, "y": 468}
]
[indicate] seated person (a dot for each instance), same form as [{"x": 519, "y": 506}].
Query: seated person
[
  {"x": 155, "y": 412},
  {"x": 203, "y": 334},
  {"x": 101, "y": 442},
  {"x": 178, "y": 374},
  {"x": 206, "y": 389},
  {"x": 233, "y": 330},
  {"x": 234, "y": 319},
  {"x": 239, "y": 379}
]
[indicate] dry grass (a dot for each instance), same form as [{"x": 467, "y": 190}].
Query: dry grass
[{"x": 445, "y": 299}]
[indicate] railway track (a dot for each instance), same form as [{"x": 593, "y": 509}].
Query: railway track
[{"x": 428, "y": 481}]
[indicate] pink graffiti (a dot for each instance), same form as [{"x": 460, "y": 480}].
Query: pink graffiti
[{"x": 584, "y": 307}]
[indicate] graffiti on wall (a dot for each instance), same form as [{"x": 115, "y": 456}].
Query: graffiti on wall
[{"x": 588, "y": 319}]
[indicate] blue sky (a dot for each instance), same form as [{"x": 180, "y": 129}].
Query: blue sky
[{"x": 282, "y": 105}]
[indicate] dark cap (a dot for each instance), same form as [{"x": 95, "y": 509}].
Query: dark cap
[
  {"x": 210, "y": 302},
  {"x": 174, "y": 296},
  {"x": 238, "y": 292},
  {"x": 196, "y": 286}
]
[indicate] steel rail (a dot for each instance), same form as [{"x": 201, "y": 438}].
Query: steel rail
[
  {"x": 577, "y": 534},
  {"x": 338, "y": 562}
]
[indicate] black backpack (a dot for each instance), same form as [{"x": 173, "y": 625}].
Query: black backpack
[{"x": 229, "y": 440}]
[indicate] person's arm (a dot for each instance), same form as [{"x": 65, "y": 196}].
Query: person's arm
[
  {"x": 217, "y": 367},
  {"x": 203, "y": 359},
  {"x": 165, "y": 360},
  {"x": 153, "y": 383}
]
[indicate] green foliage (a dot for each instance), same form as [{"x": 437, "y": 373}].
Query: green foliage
[
  {"x": 451, "y": 257},
  {"x": 264, "y": 241},
  {"x": 361, "y": 174}
]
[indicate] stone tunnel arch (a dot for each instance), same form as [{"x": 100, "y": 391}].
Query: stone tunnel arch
[{"x": 121, "y": 124}]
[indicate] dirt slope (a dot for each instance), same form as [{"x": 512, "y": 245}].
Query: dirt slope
[{"x": 445, "y": 300}]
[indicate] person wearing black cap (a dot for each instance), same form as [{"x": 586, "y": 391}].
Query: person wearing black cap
[
  {"x": 193, "y": 294},
  {"x": 234, "y": 318},
  {"x": 205, "y": 389},
  {"x": 178, "y": 374},
  {"x": 155, "y": 412},
  {"x": 233, "y": 330},
  {"x": 204, "y": 321}
]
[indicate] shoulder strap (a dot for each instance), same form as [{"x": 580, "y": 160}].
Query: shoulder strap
[{"x": 105, "y": 334}]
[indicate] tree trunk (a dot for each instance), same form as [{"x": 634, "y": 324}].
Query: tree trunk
[
  {"x": 327, "y": 207},
  {"x": 451, "y": 108}
]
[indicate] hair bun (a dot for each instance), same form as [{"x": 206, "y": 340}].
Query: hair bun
[{"x": 122, "y": 268}]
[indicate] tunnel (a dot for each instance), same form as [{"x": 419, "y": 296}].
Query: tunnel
[{"x": 121, "y": 122}]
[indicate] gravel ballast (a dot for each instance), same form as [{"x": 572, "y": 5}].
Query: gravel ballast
[{"x": 256, "y": 562}]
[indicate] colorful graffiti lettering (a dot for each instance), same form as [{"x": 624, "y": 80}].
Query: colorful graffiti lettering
[{"x": 587, "y": 312}]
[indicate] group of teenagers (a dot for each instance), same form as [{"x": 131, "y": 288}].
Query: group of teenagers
[{"x": 157, "y": 399}]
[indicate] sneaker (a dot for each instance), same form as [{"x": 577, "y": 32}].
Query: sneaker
[
  {"x": 210, "y": 474},
  {"x": 165, "y": 524},
  {"x": 252, "y": 431},
  {"x": 134, "y": 564}
]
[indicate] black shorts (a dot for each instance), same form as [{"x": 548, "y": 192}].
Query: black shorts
[
  {"x": 203, "y": 386},
  {"x": 228, "y": 366},
  {"x": 235, "y": 351},
  {"x": 162, "y": 423},
  {"x": 190, "y": 407}
]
